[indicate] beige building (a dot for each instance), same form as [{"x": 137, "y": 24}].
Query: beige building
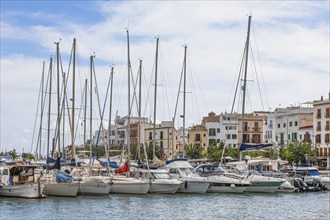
[
  {"x": 253, "y": 128},
  {"x": 321, "y": 115},
  {"x": 198, "y": 135}
]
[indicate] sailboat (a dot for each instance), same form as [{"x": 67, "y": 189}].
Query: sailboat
[
  {"x": 121, "y": 183},
  {"x": 57, "y": 183},
  {"x": 258, "y": 182}
]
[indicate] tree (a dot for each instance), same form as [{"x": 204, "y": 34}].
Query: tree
[
  {"x": 193, "y": 151},
  {"x": 297, "y": 152},
  {"x": 214, "y": 152},
  {"x": 28, "y": 156},
  {"x": 13, "y": 154}
]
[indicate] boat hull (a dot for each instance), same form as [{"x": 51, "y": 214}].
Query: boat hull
[
  {"x": 226, "y": 189},
  {"x": 191, "y": 186},
  {"x": 93, "y": 188},
  {"x": 61, "y": 189},
  {"x": 163, "y": 187},
  {"x": 22, "y": 191},
  {"x": 129, "y": 186}
]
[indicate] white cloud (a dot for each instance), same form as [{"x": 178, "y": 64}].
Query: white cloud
[{"x": 292, "y": 41}]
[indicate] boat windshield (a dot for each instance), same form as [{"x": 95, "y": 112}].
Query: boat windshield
[
  {"x": 187, "y": 171},
  {"x": 161, "y": 175}
]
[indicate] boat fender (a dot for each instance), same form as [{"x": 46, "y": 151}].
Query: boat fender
[
  {"x": 232, "y": 185},
  {"x": 185, "y": 184}
]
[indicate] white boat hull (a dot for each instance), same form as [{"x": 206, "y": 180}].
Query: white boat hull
[
  {"x": 23, "y": 191},
  {"x": 129, "y": 186},
  {"x": 194, "y": 186},
  {"x": 226, "y": 189},
  {"x": 61, "y": 189},
  {"x": 93, "y": 188},
  {"x": 164, "y": 186}
]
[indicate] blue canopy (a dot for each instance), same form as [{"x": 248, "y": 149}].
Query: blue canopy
[{"x": 253, "y": 146}]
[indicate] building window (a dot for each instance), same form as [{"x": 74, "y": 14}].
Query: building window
[
  {"x": 318, "y": 138},
  {"x": 296, "y": 123},
  {"x": 228, "y": 136},
  {"x": 256, "y": 138},
  {"x": 290, "y": 124},
  {"x": 278, "y": 125},
  {"x": 327, "y": 125},
  {"x": 318, "y": 127},
  {"x": 294, "y": 137},
  {"x": 327, "y": 112},
  {"x": 318, "y": 115},
  {"x": 245, "y": 126},
  {"x": 288, "y": 137},
  {"x": 234, "y": 136},
  {"x": 256, "y": 126},
  {"x": 218, "y": 130},
  {"x": 327, "y": 138},
  {"x": 284, "y": 125},
  {"x": 161, "y": 135},
  {"x": 150, "y": 135},
  {"x": 197, "y": 137},
  {"x": 211, "y": 132},
  {"x": 212, "y": 141}
]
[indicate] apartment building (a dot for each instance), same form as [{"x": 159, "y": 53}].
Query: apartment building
[
  {"x": 252, "y": 129},
  {"x": 213, "y": 127},
  {"x": 293, "y": 124},
  {"x": 321, "y": 116},
  {"x": 198, "y": 135}
]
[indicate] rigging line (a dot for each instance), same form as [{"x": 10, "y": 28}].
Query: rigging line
[
  {"x": 149, "y": 90},
  {"x": 262, "y": 74},
  {"x": 195, "y": 76},
  {"x": 38, "y": 102},
  {"x": 79, "y": 113},
  {"x": 237, "y": 75},
  {"x": 134, "y": 91},
  {"x": 101, "y": 123},
  {"x": 163, "y": 67},
  {"x": 178, "y": 95},
  {"x": 254, "y": 65}
]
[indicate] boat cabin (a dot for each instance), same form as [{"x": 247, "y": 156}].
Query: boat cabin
[{"x": 17, "y": 174}]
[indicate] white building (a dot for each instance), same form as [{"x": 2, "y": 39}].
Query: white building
[
  {"x": 213, "y": 126},
  {"x": 229, "y": 129},
  {"x": 288, "y": 122}
]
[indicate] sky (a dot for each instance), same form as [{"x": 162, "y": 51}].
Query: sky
[{"x": 288, "y": 63}]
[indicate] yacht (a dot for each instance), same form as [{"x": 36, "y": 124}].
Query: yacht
[
  {"x": 161, "y": 181},
  {"x": 220, "y": 182},
  {"x": 60, "y": 184},
  {"x": 182, "y": 170}
]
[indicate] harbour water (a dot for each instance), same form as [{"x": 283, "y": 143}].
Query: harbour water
[{"x": 312, "y": 205}]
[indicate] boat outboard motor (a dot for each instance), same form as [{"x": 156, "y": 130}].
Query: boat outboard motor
[{"x": 297, "y": 184}]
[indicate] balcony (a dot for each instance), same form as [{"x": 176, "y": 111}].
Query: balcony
[{"x": 318, "y": 128}]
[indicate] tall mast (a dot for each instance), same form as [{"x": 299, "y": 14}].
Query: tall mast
[
  {"x": 73, "y": 97},
  {"x": 129, "y": 98},
  {"x": 49, "y": 103},
  {"x": 58, "y": 98},
  {"x": 91, "y": 109},
  {"x": 244, "y": 80},
  {"x": 139, "y": 128},
  {"x": 184, "y": 98},
  {"x": 85, "y": 113},
  {"x": 155, "y": 99},
  {"x": 41, "y": 107},
  {"x": 110, "y": 109}
]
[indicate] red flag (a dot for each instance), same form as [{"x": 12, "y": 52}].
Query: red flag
[{"x": 122, "y": 169}]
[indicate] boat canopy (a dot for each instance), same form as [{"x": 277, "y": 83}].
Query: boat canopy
[{"x": 245, "y": 147}]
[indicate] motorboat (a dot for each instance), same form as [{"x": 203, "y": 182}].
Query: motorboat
[
  {"x": 161, "y": 181},
  {"x": 19, "y": 181},
  {"x": 259, "y": 183},
  {"x": 221, "y": 182},
  {"x": 310, "y": 173},
  {"x": 182, "y": 170}
]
